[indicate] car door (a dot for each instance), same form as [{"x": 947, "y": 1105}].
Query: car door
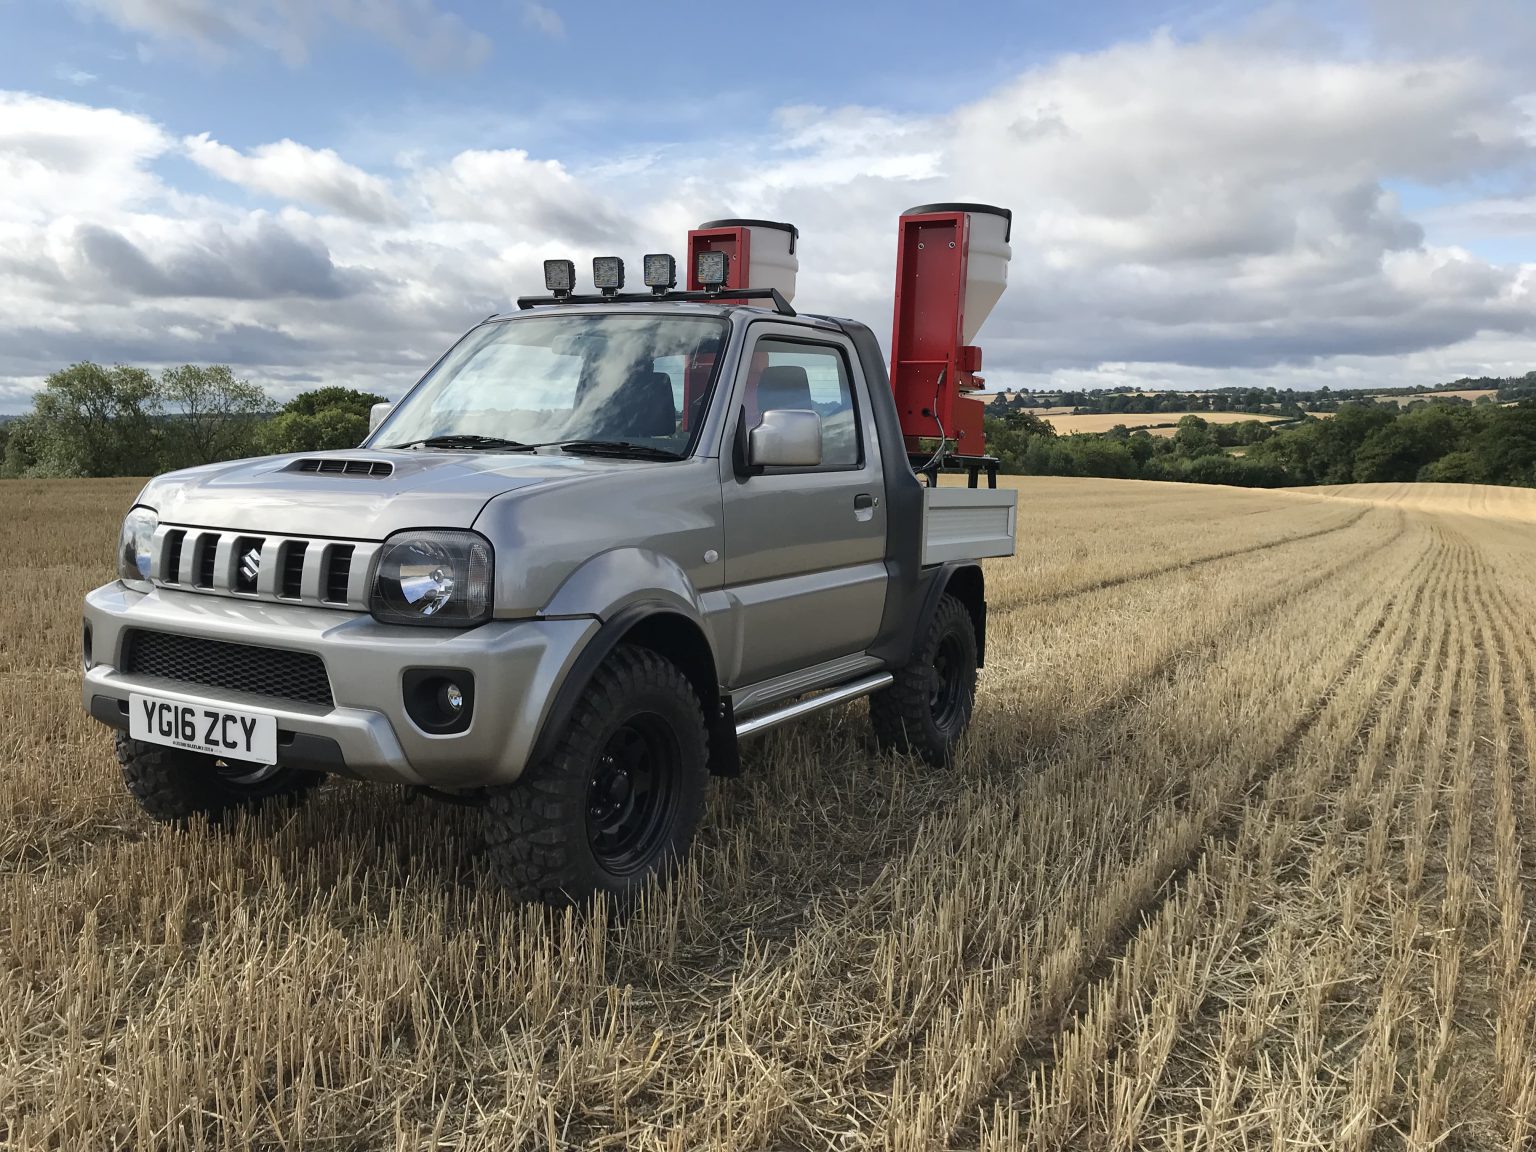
[{"x": 804, "y": 547}]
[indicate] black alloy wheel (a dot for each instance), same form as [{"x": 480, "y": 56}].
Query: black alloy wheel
[
  {"x": 949, "y": 682},
  {"x": 615, "y": 800},
  {"x": 632, "y": 797},
  {"x": 926, "y": 710}
]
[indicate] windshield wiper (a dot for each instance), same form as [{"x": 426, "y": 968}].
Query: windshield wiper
[
  {"x": 619, "y": 448},
  {"x": 468, "y": 440}
]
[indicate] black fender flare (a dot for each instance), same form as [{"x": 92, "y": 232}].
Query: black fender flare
[
  {"x": 966, "y": 580},
  {"x": 686, "y": 645}
]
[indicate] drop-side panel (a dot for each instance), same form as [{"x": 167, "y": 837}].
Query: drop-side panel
[{"x": 968, "y": 523}]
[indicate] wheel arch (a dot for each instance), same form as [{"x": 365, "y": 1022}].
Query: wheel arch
[
  {"x": 675, "y": 636},
  {"x": 968, "y": 584}
]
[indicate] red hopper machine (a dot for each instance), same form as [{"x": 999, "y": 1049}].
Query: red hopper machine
[{"x": 951, "y": 269}]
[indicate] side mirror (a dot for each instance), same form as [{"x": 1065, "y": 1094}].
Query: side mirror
[
  {"x": 785, "y": 438},
  {"x": 376, "y": 415}
]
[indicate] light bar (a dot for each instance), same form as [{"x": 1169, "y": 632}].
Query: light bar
[
  {"x": 560, "y": 276},
  {"x": 660, "y": 272},
  {"x": 711, "y": 268},
  {"x": 607, "y": 274}
]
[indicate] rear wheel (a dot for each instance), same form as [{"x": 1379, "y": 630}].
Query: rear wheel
[
  {"x": 926, "y": 710},
  {"x": 174, "y": 785},
  {"x": 617, "y": 799}
]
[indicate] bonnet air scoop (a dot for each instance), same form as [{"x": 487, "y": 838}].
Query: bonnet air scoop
[{"x": 337, "y": 466}]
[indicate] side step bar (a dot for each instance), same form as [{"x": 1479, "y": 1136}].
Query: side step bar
[{"x": 843, "y": 692}]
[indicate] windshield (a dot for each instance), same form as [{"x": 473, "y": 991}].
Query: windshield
[{"x": 544, "y": 379}]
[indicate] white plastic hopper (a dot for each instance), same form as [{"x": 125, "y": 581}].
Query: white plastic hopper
[{"x": 774, "y": 262}]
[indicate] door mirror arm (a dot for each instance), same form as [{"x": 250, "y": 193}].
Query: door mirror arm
[{"x": 739, "y": 464}]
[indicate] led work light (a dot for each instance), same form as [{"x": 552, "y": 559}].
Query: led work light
[
  {"x": 560, "y": 276},
  {"x": 608, "y": 274},
  {"x": 710, "y": 268},
  {"x": 660, "y": 272}
]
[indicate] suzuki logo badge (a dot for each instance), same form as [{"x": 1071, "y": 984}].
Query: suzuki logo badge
[{"x": 250, "y": 565}]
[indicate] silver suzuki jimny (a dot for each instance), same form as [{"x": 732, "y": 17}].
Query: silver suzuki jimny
[{"x": 601, "y": 541}]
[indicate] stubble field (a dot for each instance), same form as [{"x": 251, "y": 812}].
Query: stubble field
[{"x": 1234, "y": 858}]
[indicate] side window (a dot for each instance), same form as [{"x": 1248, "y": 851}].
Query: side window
[{"x": 808, "y": 376}]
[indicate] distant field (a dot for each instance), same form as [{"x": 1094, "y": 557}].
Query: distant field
[
  {"x": 1038, "y": 411},
  {"x": 1104, "y": 421},
  {"x": 1469, "y": 394},
  {"x": 1240, "y": 854}
]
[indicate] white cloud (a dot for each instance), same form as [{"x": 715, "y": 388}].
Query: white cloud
[
  {"x": 426, "y": 35},
  {"x": 291, "y": 171},
  {"x": 508, "y": 188},
  {"x": 79, "y": 77},
  {"x": 1185, "y": 214},
  {"x": 59, "y": 158},
  {"x": 544, "y": 18}
]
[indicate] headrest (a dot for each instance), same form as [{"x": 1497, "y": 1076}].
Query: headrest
[{"x": 784, "y": 386}]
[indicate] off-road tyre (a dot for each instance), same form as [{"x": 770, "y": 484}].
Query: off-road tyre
[
  {"x": 926, "y": 710},
  {"x": 174, "y": 785},
  {"x": 556, "y": 835}
]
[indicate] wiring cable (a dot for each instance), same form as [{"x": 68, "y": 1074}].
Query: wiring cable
[{"x": 938, "y": 454}]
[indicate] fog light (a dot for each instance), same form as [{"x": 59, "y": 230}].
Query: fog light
[{"x": 440, "y": 701}]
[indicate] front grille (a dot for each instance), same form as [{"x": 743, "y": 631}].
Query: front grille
[
  {"x": 339, "y": 574},
  {"x": 293, "y": 570},
  {"x": 275, "y": 672},
  {"x": 288, "y": 568},
  {"x": 173, "y": 542},
  {"x": 207, "y": 552}
]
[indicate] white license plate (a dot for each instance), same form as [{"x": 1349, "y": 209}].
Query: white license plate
[{"x": 222, "y": 732}]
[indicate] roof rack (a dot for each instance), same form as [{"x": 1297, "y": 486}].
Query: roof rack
[{"x": 780, "y": 305}]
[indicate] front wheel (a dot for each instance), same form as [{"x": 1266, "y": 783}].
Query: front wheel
[
  {"x": 926, "y": 710},
  {"x": 617, "y": 798},
  {"x": 174, "y": 785}
]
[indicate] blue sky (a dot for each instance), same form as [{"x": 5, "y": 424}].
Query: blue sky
[
  {"x": 327, "y": 190},
  {"x": 585, "y": 80}
]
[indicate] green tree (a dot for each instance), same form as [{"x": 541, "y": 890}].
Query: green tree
[
  {"x": 1454, "y": 468},
  {"x": 1142, "y": 447},
  {"x": 318, "y": 400},
  {"x": 20, "y": 455},
  {"x": 1101, "y": 456},
  {"x": 94, "y": 421},
  {"x": 1398, "y": 451},
  {"x": 324, "y": 420},
  {"x": 1195, "y": 438},
  {"x": 217, "y": 414},
  {"x": 1506, "y": 446}
]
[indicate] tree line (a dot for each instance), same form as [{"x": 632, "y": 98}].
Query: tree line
[
  {"x": 92, "y": 420},
  {"x": 1360, "y": 443},
  {"x": 1285, "y": 402}
]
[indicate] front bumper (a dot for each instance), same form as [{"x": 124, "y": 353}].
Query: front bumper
[{"x": 518, "y": 666}]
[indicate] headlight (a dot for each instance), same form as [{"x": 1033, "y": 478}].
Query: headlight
[
  {"x": 134, "y": 546},
  {"x": 436, "y": 577}
]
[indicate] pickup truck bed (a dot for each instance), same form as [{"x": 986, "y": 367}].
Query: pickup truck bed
[{"x": 968, "y": 523}]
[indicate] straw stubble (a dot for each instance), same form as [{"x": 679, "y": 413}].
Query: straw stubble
[{"x": 1234, "y": 857}]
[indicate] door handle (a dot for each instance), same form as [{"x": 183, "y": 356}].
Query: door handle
[{"x": 864, "y": 500}]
